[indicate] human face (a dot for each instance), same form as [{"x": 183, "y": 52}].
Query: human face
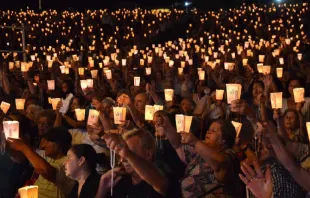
[
  {"x": 107, "y": 109},
  {"x": 135, "y": 145},
  {"x": 96, "y": 103},
  {"x": 293, "y": 84},
  {"x": 71, "y": 165},
  {"x": 290, "y": 120},
  {"x": 64, "y": 87},
  {"x": 52, "y": 150},
  {"x": 32, "y": 113},
  {"x": 214, "y": 135},
  {"x": 140, "y": 102},
  {"x": 75, "y": 104},
  {"x": 186, "y": 106},
  {"x": 257, "y": 90},
  {"x": 43, "y": 125},
  {"x": 266, "y": 151}
]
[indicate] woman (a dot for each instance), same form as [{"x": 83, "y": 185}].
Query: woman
[
  {"x": 289, "y": 103},
  {"x": 78, "y": 102},
  {"x": 211, "y": 165},
  {"x": 81, "y": 167},
  {"x": 292, "y": 125}
]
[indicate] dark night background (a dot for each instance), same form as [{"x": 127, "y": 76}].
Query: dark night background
[{"x": 97, "y": 4}]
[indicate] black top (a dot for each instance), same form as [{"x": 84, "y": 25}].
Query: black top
[
  {"x": 89, "y": 189},
  {"x": 125, "y": 189}
]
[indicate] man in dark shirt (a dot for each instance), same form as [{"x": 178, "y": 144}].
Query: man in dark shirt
[{"x": 143, "y": 179}]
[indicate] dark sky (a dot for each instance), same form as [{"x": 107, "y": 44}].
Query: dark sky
[{"x": 81, "y": 4}]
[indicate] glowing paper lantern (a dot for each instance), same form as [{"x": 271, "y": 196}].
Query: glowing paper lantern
[
  {"x": 180, "y": 70},
  {"x": 5, "y": 107},
  {"x": 141, "y": 62},
  {"x": 24, "y": 67},
  {"x": 48, "y": 58},
  {"x": 149, "y": 59},
  {"x": 94, "y": 73},
  {"x": 299, "y": 56},
  {"x": 279, "y": 72},
  {"x": 51, "y": 84},
  {"x": 201, "y": 75},
  {"x": 11, "y": 129},
  {"x": 219, "y": 94},
  {"x": 287, "y": 41},
  {"x": 93, "y": 117},
  {"x": 276, "y": 100},
  {"x": 62, "y": 69},
  {"x": 158, "y": 108},
  {"x": 55, "y": 102},
  {"x": 245, "y": 62},
  {"x": 80, "y": 114},
  {"x": 50, "y": 64},
  {"x": 81, "y": 71},
  {"x": 29, "y": 192},
  {"x": 171, "y": 63},
  {"x": 33, "y": 57},
  {"x": 233, "y": 92},
  {"x": 11, "y": 65},
  {"x": 136, "y": 81},
  {"x": 149, "y": 112},
  {"x": 266, "y": 69},
  {"x": 169, "y": 93},
  {"x": 190, "y": 61},
  {"x": 124, "y": 61},
  {"x": 90, "y": 83},
  {"x": 119, "y": 114},
  {"x": 108, "y": 74},
  {"x": 237, "y": 126},
  {"x": 260, "y": 67},
  {"x": 299, "y": 95},
  {"x": 91, "y": 63},
  {"x": 261, "y": 58},
  {"x": 308, "y": 129},
  {"x": 20, "y": 103},
  {"x": 148, "y": 71},
  {"x": 281, "y": 60},
  {"x": 83, "y": 84},
  {"x": 183, "y": 64},
  {"x": 183, "y": 123}
]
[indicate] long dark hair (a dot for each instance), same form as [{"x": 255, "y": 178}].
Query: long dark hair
[{"x": 88, "y": 152}]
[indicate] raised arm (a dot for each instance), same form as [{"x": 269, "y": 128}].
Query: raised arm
[{"x": 40, "y": 165}]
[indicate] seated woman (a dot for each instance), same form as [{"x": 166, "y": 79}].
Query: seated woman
[
  {"x": 52, "y": 181},
  {"x": 211, "y": 165},
  {"x": 69, "y": 119},
  {"x": 81, "y": 167}
]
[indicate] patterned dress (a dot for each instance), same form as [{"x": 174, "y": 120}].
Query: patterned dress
[{"x": 200, "y": 180}]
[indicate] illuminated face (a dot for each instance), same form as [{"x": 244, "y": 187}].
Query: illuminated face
[
  {"x": 213, "y": 137},
  {"x": 43, "y": 125},
  {"x": 75, "y": 104},
  {"x": 257, "y": 90},
  {"x": 140, "y": 102},
  {"x": 71, "y": 165},
  {"x": 290, "y": 120}
]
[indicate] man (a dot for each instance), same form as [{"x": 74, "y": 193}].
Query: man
[
  {"x": 142, "y": 179},
  {"x": 52, "y": 181}
]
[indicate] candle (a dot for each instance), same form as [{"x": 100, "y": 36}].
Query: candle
[
  {"x": 299, "y": 95},
  {"x": 29, "y": 192},
  {"x": 20, "y": 103},
  {"x": 94, "y": 73},
  {"x": 119, "y": 114},
  {"x": 201, "y": 75},
  {"x": 233, "y": 92},
  {"x": 5, "y": 107},
  {"x": 279, "y": 72},
  {"x": 80, "y": 114},
  {"x": 11, "y": 129},
  {"x": 183, "y": 123},
  {"x": 136, "y": 81},
  {"x": 149, "y": 112},
  {"x": 237, "y": 126},
  {"x": 219, "y": 94},
  {"x": 276, "y": 100},
  {"x": 169, "y": 93},
  {"x": 93, "y": 117},
  {"x": 51, "y": 84},
  {"x": 55, "y": 102}
]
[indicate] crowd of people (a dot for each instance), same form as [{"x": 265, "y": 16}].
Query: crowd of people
[{"x": 108, "y": 105}]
